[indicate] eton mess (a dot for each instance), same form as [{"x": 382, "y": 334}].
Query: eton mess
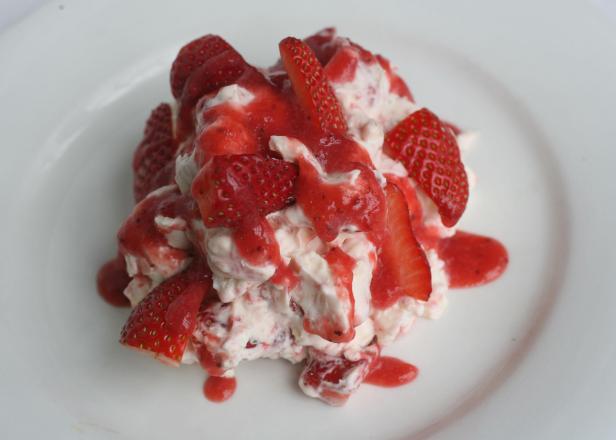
[{"x": 305, "y": 212}]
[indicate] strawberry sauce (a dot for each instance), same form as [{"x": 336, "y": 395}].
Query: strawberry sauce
[
  {"x": 218, "y": 389},
  {"x": 391, "y": 372},
  {"x": 472, "y": 260},
  {"x": 257, "y": 244},
  {"x": 242, "y": 174},
  {"x": 111, "y": 281}
]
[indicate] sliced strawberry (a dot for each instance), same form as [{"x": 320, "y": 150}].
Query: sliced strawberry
[
  {"x": 402, "y": 268},
  {"x": 231, "y": 187},
  {"x": 310, "y": 84},
  {"x": 353, "y": 199},
  {"x": 219, "y": 71},
  {"x": 427, "y": 234},
  {"x": 335, "y": 311},
  {"x": 153, "y": 159},
  {"x": 431, "y": 155},
  {"x": 191, "y": 57},
  {"x": 163, "y": 321},
  {"x": 323, "y": 44},
  {"x": 334, "y": 378}
]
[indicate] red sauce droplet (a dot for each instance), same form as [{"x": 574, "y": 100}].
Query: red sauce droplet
[
  {"x": 111, "y": 281},
  {"x": 472, "y": 260},
  {"x": 391, "y": 372},
  {"x": 219, "y": 389}
]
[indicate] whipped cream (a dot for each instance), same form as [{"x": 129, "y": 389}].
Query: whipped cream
[
  {"x": 232, "y": 275},
  {"x": 264, "y": 317}
]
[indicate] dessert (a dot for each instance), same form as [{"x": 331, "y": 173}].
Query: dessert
[{"x": 305, "y": 212}]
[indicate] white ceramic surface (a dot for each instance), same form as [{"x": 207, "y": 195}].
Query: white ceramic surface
[{"x": 531, "y": 356}]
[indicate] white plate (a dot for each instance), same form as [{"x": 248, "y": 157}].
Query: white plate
[{"x": 530, "y": 356}]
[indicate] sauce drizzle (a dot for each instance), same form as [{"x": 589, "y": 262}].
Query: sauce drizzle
[
  {"x": 111, "y": 281},
  {"x": 471, "y": 259},
  {"x": 218, "y": 389},
  {"x": 391, "y": 372}
]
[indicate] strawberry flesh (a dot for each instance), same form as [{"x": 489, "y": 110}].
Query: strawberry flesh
[
  {"x": 402, "y": 268},
  {"x": 219, "y": 71},
  {"x": 430, "y": 153}
]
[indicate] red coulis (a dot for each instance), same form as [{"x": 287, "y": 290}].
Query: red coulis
[
  {"x": 219, "y": 389},
  {"x": 111, "y": 281},
  {"x": 471, "y": 259},
  {"x": 391, "y": 372}
]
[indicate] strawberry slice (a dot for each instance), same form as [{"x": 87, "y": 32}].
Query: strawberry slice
[
  {"x": 402, "y": 268},
  {"x": 430, "y": 153},
  {"x": 310, "y": 84},
  {"x": 153, "y": 164},
  {"x": 164, "y": 320},
  {"x": 230, "y": 188},
  {"x": 191, "y": 57},
  {"x": 334, "y": 378},
  {"x": 219, "y": 71}
]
